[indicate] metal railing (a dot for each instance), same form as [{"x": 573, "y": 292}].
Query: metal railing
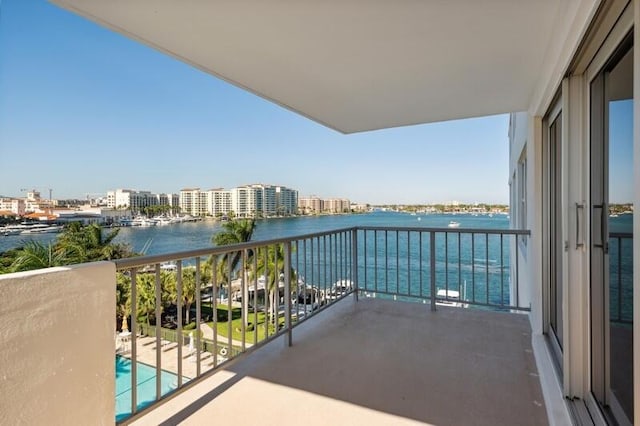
[
  {"x": 245, "y": 295},
  {"x": 621, "y": 277},
  {"x": 460, "y": 267}
]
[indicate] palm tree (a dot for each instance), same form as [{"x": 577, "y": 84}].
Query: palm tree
[
  {"x": 35, "y": 255},
  {"x": 188, "y": 289},
  {"x": 87, "y": 243},
  {"x": 146, "y": 289},
  {"x": 235, "y": 232},
  {"x": 271, "y": 264},
  {"x": 123, "y": 298}
]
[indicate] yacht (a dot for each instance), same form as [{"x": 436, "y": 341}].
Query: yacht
[
  {"x": 41, "y": 229},
  {"x": 449, "y": 298},
  {"x": 454, "y": 224}
]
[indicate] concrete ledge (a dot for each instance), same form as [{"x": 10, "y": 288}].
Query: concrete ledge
[{"x": 57, "y": 354}]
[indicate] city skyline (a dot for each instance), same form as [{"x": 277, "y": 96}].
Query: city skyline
[{"x": 96, "y": 111}]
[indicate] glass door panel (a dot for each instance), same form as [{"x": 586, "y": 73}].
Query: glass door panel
[{"x": 612, "y": 236}]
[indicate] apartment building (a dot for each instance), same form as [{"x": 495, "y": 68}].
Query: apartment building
[
  {"x": 314, "y": 205},
  {"x": 218, "y": 202},
  {"x": 131, "y": 199},
  {"x": 336, "y": 205},
  {"x": 263, "y": 200},
  {"x": 310, "y": 205},
  {"x": 16, "y": 206},
  {"x": 193, "y": 202}
]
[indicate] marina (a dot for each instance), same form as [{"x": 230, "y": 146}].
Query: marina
[{"x": 190, "y": 234}]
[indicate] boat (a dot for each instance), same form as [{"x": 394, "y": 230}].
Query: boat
[
  {"x": 338, "y": 289},
  {"x": 26, "y": 228},
  {"x": 449, "y": 298},
  {"x": 41, "y": 229},
  {"x": 454, "y": 224},
  {"x": 9, "y": 230},
  {"x": 143, "y": 221},
  {"x": 163, "y": 220}
]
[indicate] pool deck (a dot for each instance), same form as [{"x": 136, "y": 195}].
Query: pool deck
[{"x": 146, "y": 353}]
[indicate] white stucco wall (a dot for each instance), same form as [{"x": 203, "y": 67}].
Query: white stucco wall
[{"x": 57, "y": 345}]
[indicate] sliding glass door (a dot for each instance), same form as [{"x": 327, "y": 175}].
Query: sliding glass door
[{"x": 611, "y": 257}]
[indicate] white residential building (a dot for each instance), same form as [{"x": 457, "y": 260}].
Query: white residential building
[
  {"x": 131, "y": 199},
  {"x": 263, "y": 200},
  {"x": 16, "y": 206},
  {"x": 218, "y": 202},
  {"x": 193, "y": 201}
]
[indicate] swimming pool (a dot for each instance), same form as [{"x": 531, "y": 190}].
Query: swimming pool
[{"x": 146, "y": 380}]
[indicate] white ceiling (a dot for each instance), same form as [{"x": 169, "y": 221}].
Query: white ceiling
[{"x": 354, "y": 65}]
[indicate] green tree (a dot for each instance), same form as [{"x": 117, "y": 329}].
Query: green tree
[
  {"x": 271, "y": 265},
  {"x": 35, "y": 255},
  {"x": 188, "y": 289},
  {"x": 146, "y": 292},
  {"x": 235, "y": 232},
  {"x": 87, "y": 243},
  {"x": 123, "y": 297}
]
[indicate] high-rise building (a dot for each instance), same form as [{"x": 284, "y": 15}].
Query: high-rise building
[
  {"x": 131, "y": 199},
  {"x": 314, "y": 204},
  {"x": 218, "y": 202},
  {"x": 263, "y": 200},
  {"x": 193, "y": 201}
]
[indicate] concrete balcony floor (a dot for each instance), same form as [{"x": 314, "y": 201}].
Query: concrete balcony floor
[{"x": 377, "y": 362}]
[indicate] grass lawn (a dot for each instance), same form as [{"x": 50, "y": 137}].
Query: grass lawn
[{"x": 236, "y": 324}]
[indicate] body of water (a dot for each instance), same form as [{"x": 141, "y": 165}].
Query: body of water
[{"x": 195, "y": 235}]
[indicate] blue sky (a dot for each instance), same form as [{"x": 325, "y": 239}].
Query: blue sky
[{"x": 84, "y": 110}]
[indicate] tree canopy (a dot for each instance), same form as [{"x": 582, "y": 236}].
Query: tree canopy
[{"x": 77, "y": 243}]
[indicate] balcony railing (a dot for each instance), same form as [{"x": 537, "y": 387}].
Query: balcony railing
[
  {"x": 621, "y": 277},
  {"x": 246, "y": 295}
]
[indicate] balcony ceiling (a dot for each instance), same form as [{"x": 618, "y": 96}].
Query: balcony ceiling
[{"x": 356, "y": 65}]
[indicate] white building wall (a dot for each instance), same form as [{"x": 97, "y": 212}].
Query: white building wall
[{"x": 14, "y": 205}]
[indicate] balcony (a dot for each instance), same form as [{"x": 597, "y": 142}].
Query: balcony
[
  {"x": 355, "y": 347},
  {"x": 378, "y": 362}
]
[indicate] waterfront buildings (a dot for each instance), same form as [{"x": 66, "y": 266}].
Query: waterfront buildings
[
  {"x": 316, "y": 205},
  {"x": 569, "y": 69},
  {"x": 256, "y": 200},
  {"x": 136, "y": 201}
]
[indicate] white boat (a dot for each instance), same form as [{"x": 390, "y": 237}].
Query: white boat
[
  {"x": 9, "y": 230},
  {"x": 41, "y": 229},
  {"x": 449, "y": 298},
  {"x": 163, "y": 220},
  {"x": 454, "y": 224},
  {"x": 338, "y": 289},
  {"x": 143, "y": 221}
]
